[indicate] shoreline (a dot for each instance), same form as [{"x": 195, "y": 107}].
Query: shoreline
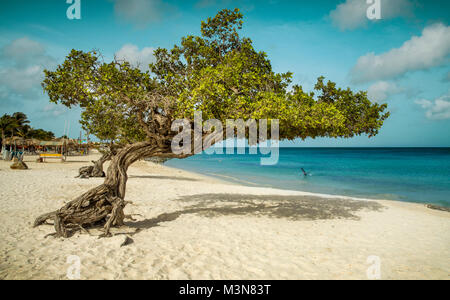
[
  {"x": 400, "y": 174},
  {"x": 238, "y": 182},
  {"x": 193, "y": 226}
]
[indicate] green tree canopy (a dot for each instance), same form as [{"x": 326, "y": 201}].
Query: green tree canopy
[
  {"x": 7, "y": 125},
  {"x": 40, "y": 134},
  {"x": 219, "y": 73}
]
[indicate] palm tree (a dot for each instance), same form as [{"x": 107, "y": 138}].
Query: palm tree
[
  {"x": 17, "y": 123},
  {"x": 21, "y": 120},
  {"x": 7, "y": 124},
  {"x": 24, "y": 131}
]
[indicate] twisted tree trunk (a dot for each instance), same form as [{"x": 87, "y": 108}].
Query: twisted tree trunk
[
  {"x": 97, "y": 169},
  {"x": 104, "y": 203}
]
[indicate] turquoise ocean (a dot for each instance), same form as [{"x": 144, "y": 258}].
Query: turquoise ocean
[{"x": 419, "y": 175}]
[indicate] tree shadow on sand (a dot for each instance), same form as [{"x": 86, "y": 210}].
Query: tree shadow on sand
[
  {"x": 163, "y": 177},
  {"x": 295, "y": 208}
]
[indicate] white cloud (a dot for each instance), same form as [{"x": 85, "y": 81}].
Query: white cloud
[
  {"x": 381, "y": 90},
  {"x": 349, "y": 15},
  {"x": 429, "y": 50},
  {"x": 55, "y": 110},
  {"x": 353, "y": 13},
  {"x": 24, "y": 51},
  {"x": 21, "y": 79},
  {"x": 141, "y": 12},
  {"x": 22, "y": 63},
  {"x": 137, "y": 58},
  {"x": 438, "y": 109},
  {"x": 23, "y": 48}
]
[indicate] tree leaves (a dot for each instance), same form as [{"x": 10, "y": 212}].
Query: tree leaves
[
  {"x": 17, "y": 124},
  {"x": 219, "y": 73}
]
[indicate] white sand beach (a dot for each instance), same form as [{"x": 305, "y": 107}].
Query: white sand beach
[{"x": 194, "y": 227}]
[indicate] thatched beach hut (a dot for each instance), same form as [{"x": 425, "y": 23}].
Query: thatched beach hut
[{"x": 14, "y": 142}]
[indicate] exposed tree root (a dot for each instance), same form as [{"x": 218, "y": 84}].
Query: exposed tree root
[
  {"x": 91, "y": 171},
  {"x": 98, "y": 204},
  {"x": 97, "y": 169},
  {"x": 104, "y": 204}
]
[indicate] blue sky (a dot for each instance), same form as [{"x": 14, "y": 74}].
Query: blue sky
[{"x": 402, "y": 59}]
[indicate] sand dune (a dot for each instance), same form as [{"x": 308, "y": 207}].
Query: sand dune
[{"x": 193, "y": 227}]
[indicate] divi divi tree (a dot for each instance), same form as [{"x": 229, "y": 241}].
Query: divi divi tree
[{"x": 218, "y": 73}]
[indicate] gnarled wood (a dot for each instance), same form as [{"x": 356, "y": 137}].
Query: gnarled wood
[
  {"x": 97, "y": 169},
  {"x": 104, "y": 203}
]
